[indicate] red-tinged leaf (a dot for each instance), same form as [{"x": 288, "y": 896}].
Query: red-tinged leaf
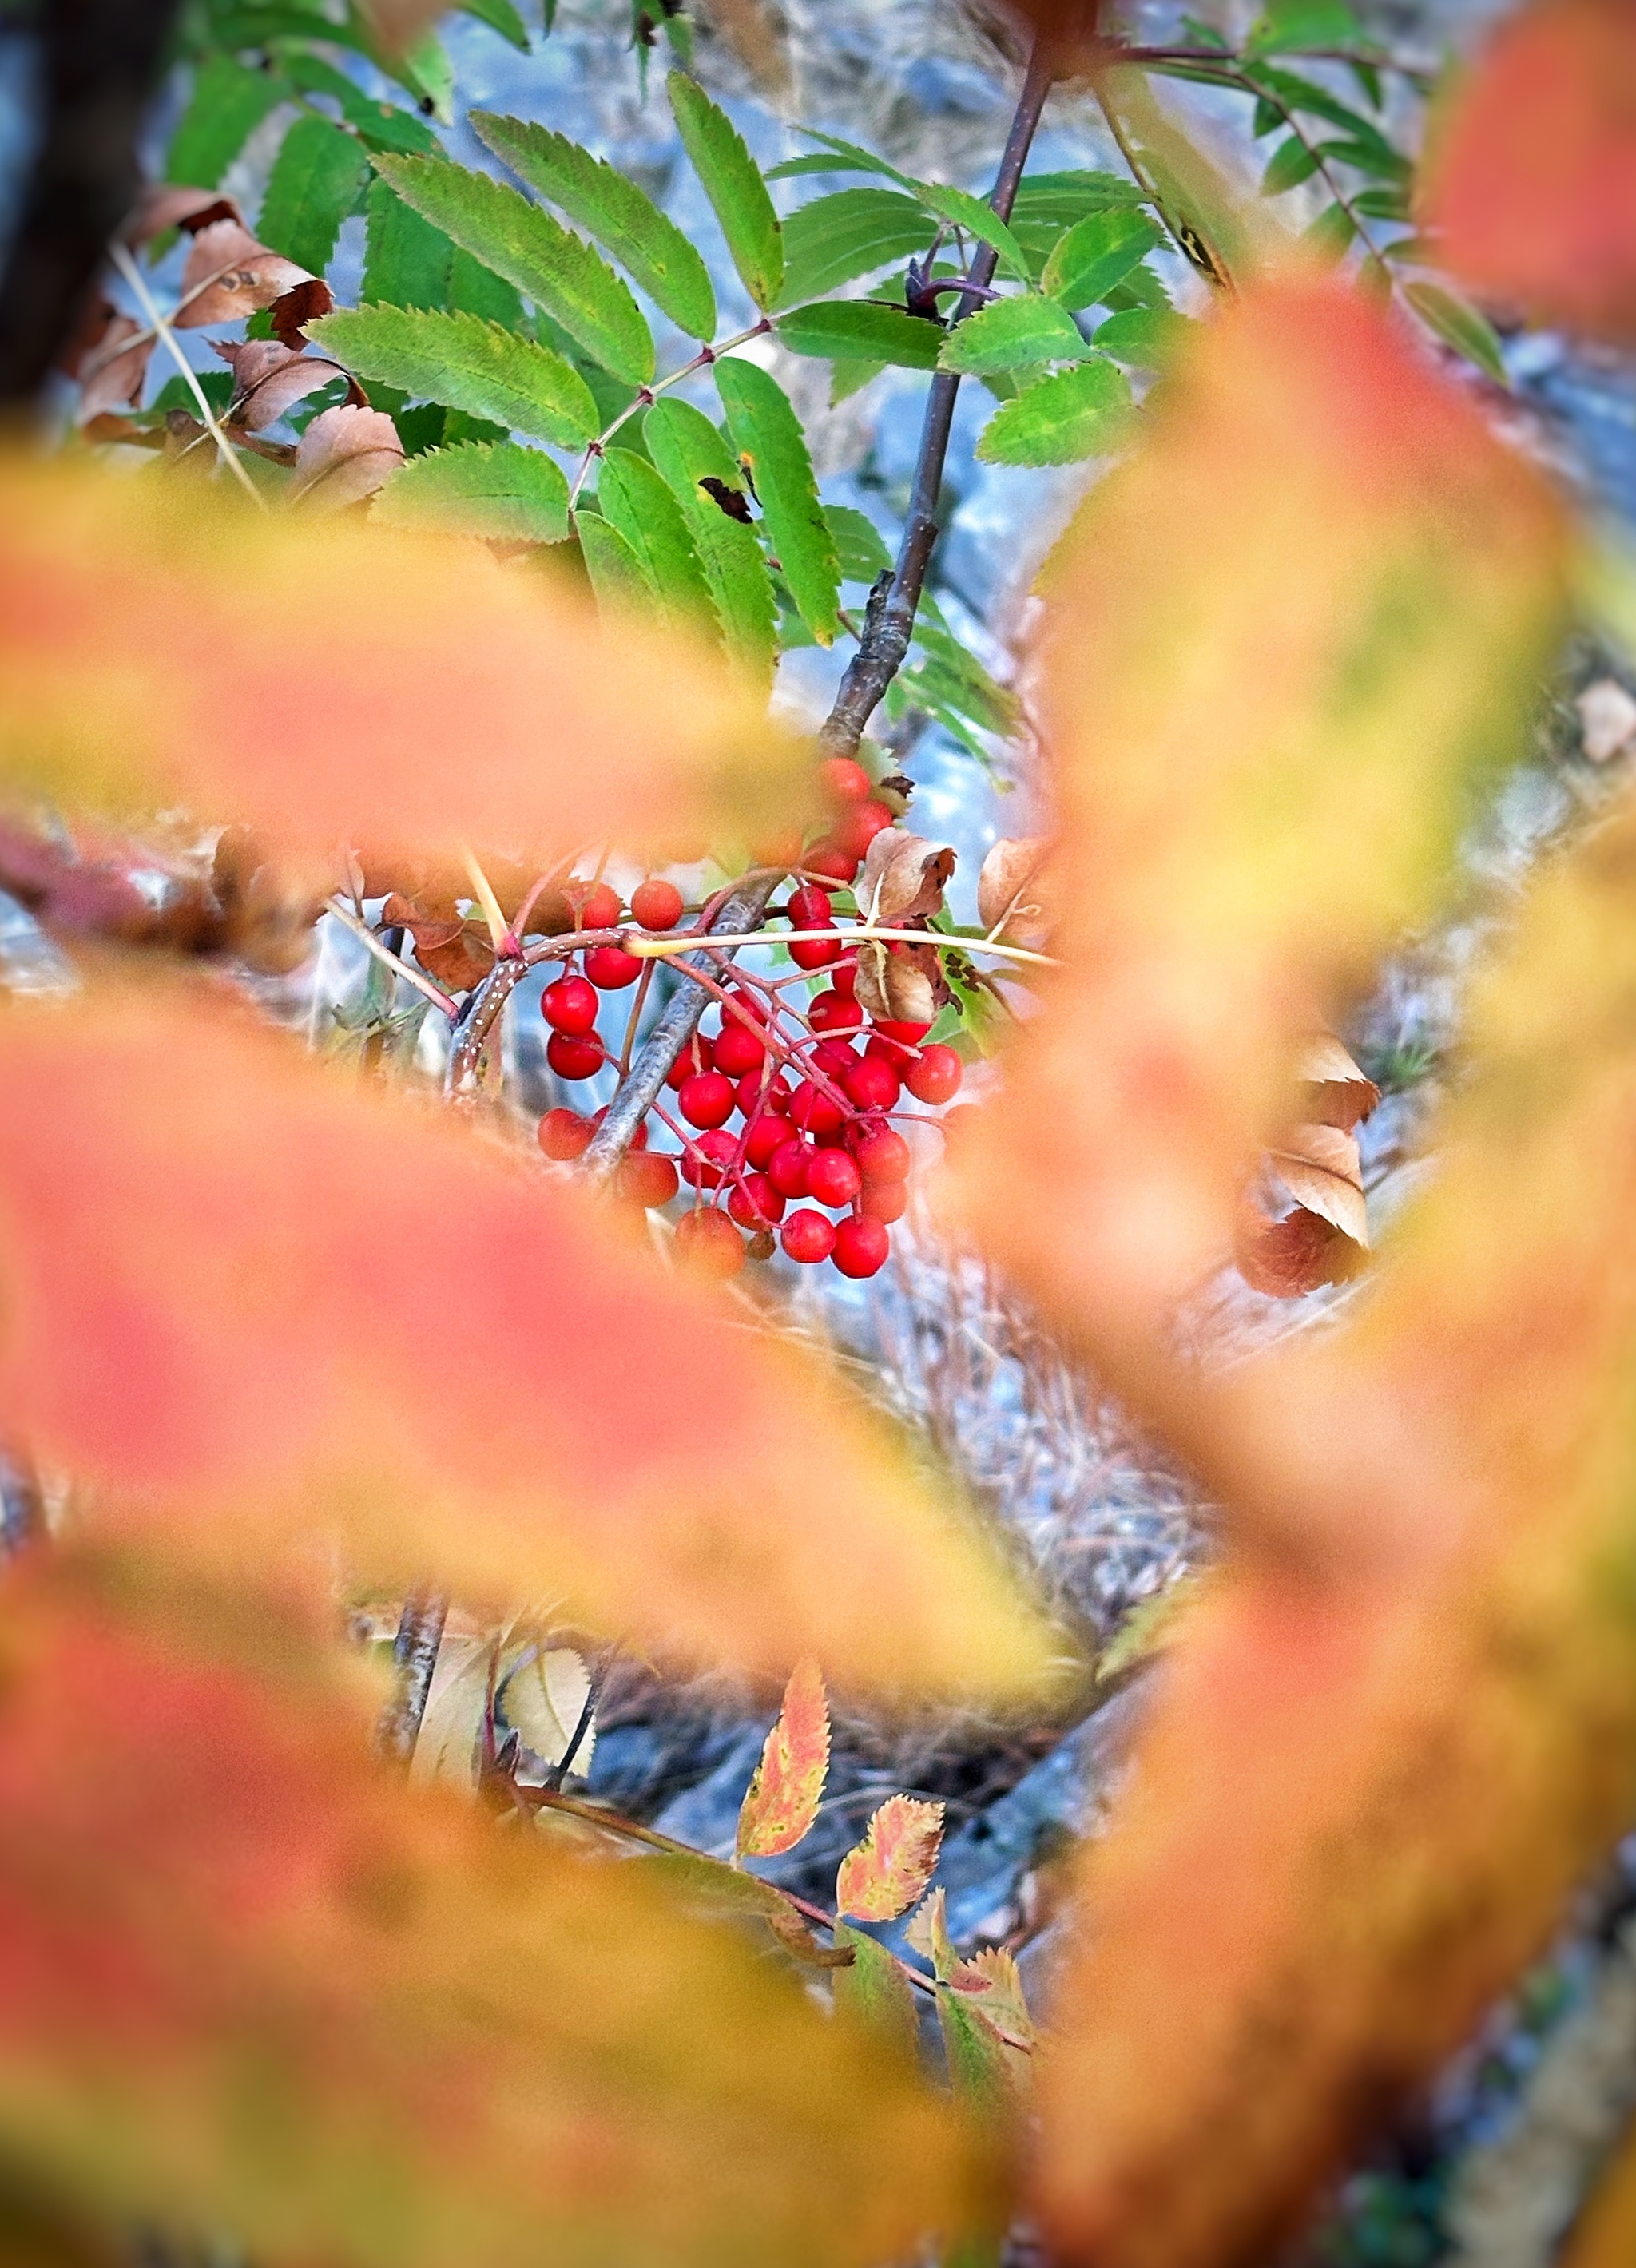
[
  {"x": 165, "y": 204},
  {"x": 781, "y": 1801},
  {"x": 248, "y": 1299},
  {"x": 251, "y": 1982},
  {"x": 228, "y": 275},
  {"x": 344, "y": 455},
  {"x": 1531, "y": 184},
  {"x": 1338, "y": 1093},
  {"x": 882, "y": 1876},
  {"x": 161, "y": 644},
  {"x": 270, "y": 377},
  {"x": 1289, "y": 1256},
  {"x": 302, "y": 303}
]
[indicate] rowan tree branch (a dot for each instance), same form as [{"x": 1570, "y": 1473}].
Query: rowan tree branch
[
  {"x": 889, "y": 624},
  {"x": 414, "y": 1658}
]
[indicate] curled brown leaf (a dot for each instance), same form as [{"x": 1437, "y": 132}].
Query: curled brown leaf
[
  {"x": 345, "y": 455},
  {"x": 270, "y": 377},
  {"x": 903, "y": 880},
  {"x": 169, "y": 204},
  {"x": 228, "y": 276},
  {"x": 1008, "y": 899}
]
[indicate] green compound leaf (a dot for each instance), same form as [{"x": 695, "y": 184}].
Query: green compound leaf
[
  {"x": 875, "y": 1994},
  {"x": 489, "y": 488},
  {"x": 1097, "y": 254},
  {"x": 836, "y": 239},
  {"x": 228, "y": 103},
  {"x": 861, "y": 330},
  {"x": 1144, "y": 338},
  {"x": 405, "y": 261},
  {"x": 858, "y": 543},
  {"x": 637, "y": 504},
  {"x": 1083, "y": 412},
  {"x": 1009, "y": 333},
  {"x": 615, "y": 570},
  {"x": 978, "y": 219},
  {"x": 465, "y": 364},
  {"x": 766, "y": 434},
  {"x": 1459, "y": 326},
  {"x": 615, "y": 211},
  {"x": 497, "y": 226},
  {"x": 1290, "y": 164},
  {"x": 1330, "y": 235},
  {"x": 316, "y": 179},
  {"x": 500, "y": 16},
  {"x": 378, "y": 125},
  {"x": 734, "y": 186},
  {"x": 688, "y": 450}
]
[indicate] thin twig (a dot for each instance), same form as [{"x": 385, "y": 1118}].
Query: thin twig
[
  {"x": 133, "y": 275},
  {"x": 658, "y": 947},
  {"x": 648, "y": 394},
  {"x": 414, "y": 1658},
  {"x": 338, "y": 907}
]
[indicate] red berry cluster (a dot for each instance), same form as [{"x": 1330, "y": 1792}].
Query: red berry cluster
[{"x": 782, "y": 1102}]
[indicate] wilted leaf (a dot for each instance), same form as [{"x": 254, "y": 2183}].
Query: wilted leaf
[
  {"x": 1530, "y": 182},
  {"x": 781, "y": 1801},
  {"x": 903, "y": 880},
  {"x": 270, "y": 377},
  {"x": 1009, "y": 902},
  {"x": 457, "y": 1706},
  {"x": 901, "y": 983},
  {"x": 111, "y": 370},
  {"x": 455, "y": 949},
  {"x": 292, "y": 310},
  {"x": 164, "y": 204},
  {"x": 259, "y": 1300},
  {"x": 1340, "y": 1095},
  {"x": 1288, "y": 1257},
  {"x": 338, "y": 684},
  {"x": 1319, "y": 1166},
  {"x": 882, "y": 1876},
  {"x": 345, "y": 455},
  {"x": 543, "y": 1698},
  {"x": 927, "y": 1934},
  {"x": 228, "y": 276},
  {"x": 260, "y": 1986}
]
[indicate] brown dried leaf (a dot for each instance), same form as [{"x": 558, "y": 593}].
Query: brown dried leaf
[
  {"x": 229, "y": 275},
  {"x": 270, "y": 377},
  {"x": 345, "y": 455},
  {"x": 303, "y": 303},
  {"x": 542, "y": 1697},
  {"x": 903, "y": 984},
  {"x": 1289, "y": 1257},
  {"x": 882, "y": 1876},
  {"x": 903, "y": 880},
  {"x": 782, "y": 1800},
  {"x": 165, "y": 204},
  {"x": 1008, "y": 902},
  {"x": 399, "y": 24},
  {"x": 1341, "y": 1095},
  {"x": 1319, "y": 1166},
  {"x": 111, "y": 372}
]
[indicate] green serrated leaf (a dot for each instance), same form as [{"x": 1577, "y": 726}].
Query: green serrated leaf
[
  {"x": 405, "y": 261},
  {"x": 978, "y": 219},
  {"x": 475, "y": 289},
  {"x": 621, "y": 217},
  {"x": 732, "y": 183},
  {"x": 1097, "y": 254},
  {"x": 688, "y": 450},
  {"x": 466, "y": 363},
  {"x": 378, "y": 125},
  {"x": 1143, "y": 337},
  {"x": 836, "y": 239},
  {"x": 766, "y": 435},
  {"x": 977, "y": 2071},
  {"x": 874, "y": 1994},
  {"x": 1010, "y": 333},
  {"x": 499, "y": 226},
  {"x": 495, "y": 490},
  {"x": 861, "y": 330},
  {"x": 858, "y": 543},
  {"x": 817, "y": 161},
  {"x": 500, "y": 16},
  {"x": 847, "y": 377},
  {"x": 1364, "y": 157},
  {"x": 317, "y": 177},
  {"x": 1303, "y": 95},
  {"x": 227, "y": 104},
  {"x": 1292, "y": 163},
  {"x": 615, "y": 570},
  {"x": 1083, "y": 412},
  {"x": 1059, "y": 199},
  {"x": 636, "y": 500},
  {"x": 1287, "y": 27},
  {"x": 1459, "y": 326}
]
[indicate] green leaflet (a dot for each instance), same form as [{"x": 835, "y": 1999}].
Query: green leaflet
[
  {"x": 875, "y": 1994},
  {"x": 1096, "y": 253},
  {"x": 465, "y": 364},
  {"x": 1144, "y": 338},
  {"x": 861, "y": 330},
  {"x": 859, "y": 544},
  {"x": 405, "y": 261},
  {"x": 496, "y": 489},
  {"x": 316, "y": 179},
  {"x": 227, "y": 104},
  {"x": 687, "y": 449},
  {"x": 1008, "y": 334},
  {"x": 1330, "y": 235},
  {"x": 1290, "y": 164},
  {"x": 637, "y": 504},
  {"x": 1083, "y": 412},
  {"x": 623, "y": 219},
  {"x": 849, "y": 378},
  {"x": 976, "y": 2056},
  {"x": 561, "y": 273},
  {"x": 1287, "y": 27},
  {"x": 766, "y": 435},
  {"x": 958, "y": 206},
  {"x": 1058, "y": 200},
  {"x": 475, "y": 289},
  {"x": 500, "y": 16},
  {"x": 615, "y": 572},
  {"x": 379, "y": 125},
  {"x": 836, "y": 239},
  {"x": 1459, "y": 326},
  {"x": 734, "y": 186}
]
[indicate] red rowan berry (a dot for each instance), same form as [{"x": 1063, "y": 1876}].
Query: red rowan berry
[
  {"x": 708, "y": 1244},
  {"x": 828, "y": 859},
  {"x": 812, "y": 1110},
  {"x": 844, "y": 977},
  {"x": 786, "y": 1168},
  {"x": 597, "y": 904},
  {"x": 707, "y": 1098},
  {"x": 737, "y": 1051},
  {"x": 835, "y": 1012},
  {"x": 757, "y": 1092},
  {"x": 906, "y": 1035},
  {"x": 706, "y": 1163},
  {"x": 835, "y": 1055},
  {"x": 755, "y": 1204},
  {"x": 809, "y": 907},
  {"x": 763, "y": 1135},
  {"x": 573, "y": 1058},
  {"x": 570, "y": 1006},
  {"x": 610, "y": 967},
  {"x": 814, "y": 952},
  {"x": 565, "y": 1134},
  {"x": 844, "y": 781},
  {"x": 882, "y": 1155},
  {"x": 861, "y": 1245},
  {"x": 646, "y": 1179},
  {"x": 783, "y": 851},
  {"x": 858, "y": 825},
  {"x": 872, "y": 1084},
  {"x": 656, "y": 904},
  {"x": 936, "y": 1077},
  {"x": 832, "y": 1178},
  {"x": 885, "y": 1201},
  {"x": 699, "y": 1054},
  {"x": 807, "y": 1237}
]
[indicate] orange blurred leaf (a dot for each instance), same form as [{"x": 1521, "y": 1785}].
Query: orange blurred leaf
[
  {"x": 781, "y": 1801},
  {"x": 1530, "y": 179},
  {"x": 161, "y": 644},
  {"x": 253, "y": 1982},
  {"x": 252, "y": 1301},
  {"x": 882, "y": 1876}
]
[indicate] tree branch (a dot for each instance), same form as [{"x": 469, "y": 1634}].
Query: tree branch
[{"x": 414, "y": 1658}]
